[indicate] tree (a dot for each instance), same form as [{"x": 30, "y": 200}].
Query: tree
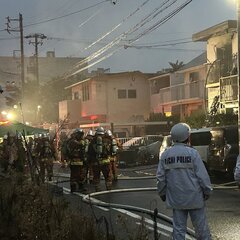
[
  {"x": 52, "y": 93},
  {"x": 176, "y": 66}
]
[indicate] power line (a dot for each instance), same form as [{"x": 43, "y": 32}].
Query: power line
[
  {"x": 118, "y": 25},
  {"x": 122, "y": 36},
  {"x": 63, "y": 16},
  {"x": 66, "y": 15},
  {"x": 161, "y": 21},
  {"x": 156, "y": 45},
  {"x": 117, "y": 40}
]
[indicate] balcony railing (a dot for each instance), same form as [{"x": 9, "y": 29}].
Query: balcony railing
[
  {"x": 228, "y": 89},
  {"x": 179, "y": 92}
]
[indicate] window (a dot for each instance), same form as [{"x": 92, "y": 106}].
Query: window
[
  {"x": 85, "y": 92},
  {"x": 76, "y": 95},
  {"x": 132, "y": 93},
  {"x": 193, "y": 76},
  {"x": 122, "y": 93}
]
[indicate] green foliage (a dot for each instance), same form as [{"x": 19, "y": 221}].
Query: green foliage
[
  {"x": 196, "y": 119},
  {"x": 222, "y": 119},
  {"x": 30, "y": 212},
  {"x": 161, "y": 128},
  {"x": 154, "y": 117},
  {"x": 199, "y": 119},
  {"x": 176, "y": 66}
]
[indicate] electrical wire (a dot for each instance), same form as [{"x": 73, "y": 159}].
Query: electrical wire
[
  {"x": 63, "y": 16},
  {"x": 117, "y": 40},
  {"x": 91, "y": 17},
  {"x": 161, "y": 21},
  {"x": 118, "y": 25},
  {"x": 156, "y": 45}
]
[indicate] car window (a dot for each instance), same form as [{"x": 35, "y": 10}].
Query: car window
[{"x": 200, "y": 138}]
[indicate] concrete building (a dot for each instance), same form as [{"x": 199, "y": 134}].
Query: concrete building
[
  {"x": 181, "y": 92},
  {"x": 108, "y": 98},
  {"x": 221, "y": 80},
  {"x": 49, "y": 67}
]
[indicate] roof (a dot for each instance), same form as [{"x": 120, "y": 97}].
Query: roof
[
  {"x": 159, "y": 76},
  {"x": 197, "y": 61},
  {"x": 218, "y": 29},
  {"x": 75, "y": 84},
  {"x": 110, "y": 75}
]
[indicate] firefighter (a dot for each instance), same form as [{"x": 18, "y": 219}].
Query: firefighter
[
  {"x": 77, "y": 157},
  {"x": 63, "y": 149},
  {"x": 113, "y": 152},
  {"x": 90, "y": 155},
  {"x": 101, "y": 162},
  {"x": 20, "y": 162},
  {"x": 11, "y": 150},
  {"x": 3, "y": 154},
  {"x": 46, "y": 155}
]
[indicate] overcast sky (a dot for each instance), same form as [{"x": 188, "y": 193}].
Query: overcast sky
[{"x": 72, "y": 35}]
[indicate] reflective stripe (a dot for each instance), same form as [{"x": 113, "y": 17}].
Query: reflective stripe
[
  {"x": 76, "y": 163},
  {"x": 104, "y": 161}
]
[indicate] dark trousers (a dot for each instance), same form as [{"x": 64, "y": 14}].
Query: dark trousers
[{"x": 77, "y": 177}]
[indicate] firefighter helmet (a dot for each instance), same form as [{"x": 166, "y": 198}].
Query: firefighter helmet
[
  {"x": 100, "y": 131},
  {"x": 180, "y": 132},
  {"x": 108, "y": 133},
  {"x": 90, "y": 133},
  {"x": 79, "y": 131}
]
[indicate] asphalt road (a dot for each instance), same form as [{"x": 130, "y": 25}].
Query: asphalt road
[{"x": 136, "y": 189}]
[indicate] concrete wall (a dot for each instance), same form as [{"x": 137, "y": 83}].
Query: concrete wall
[
  {"x": 71, "y": 107},
  {"x": 103, "y": 97}
]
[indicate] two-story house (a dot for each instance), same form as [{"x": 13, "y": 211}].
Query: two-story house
[
  {"x": 108, "y": 98},
  {"x": 181, "y": 92}
]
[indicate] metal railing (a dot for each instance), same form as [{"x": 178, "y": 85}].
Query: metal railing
[
  {"x": 185, "y": 91},
  {"x": 228, "y": 89}
]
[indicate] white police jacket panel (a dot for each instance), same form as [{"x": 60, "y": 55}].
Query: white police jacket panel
[
  {"x": 182, "y": 177},
  {"x": 237, "y": 170}
]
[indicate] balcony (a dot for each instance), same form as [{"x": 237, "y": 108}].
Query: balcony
[
  {"x": 228, "y": 89},
  {"x": 180, "y": 92}
]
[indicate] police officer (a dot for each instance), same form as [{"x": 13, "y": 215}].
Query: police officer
[
  {"x": 77, "y": 157},
  {"x": 101, "y": 161},
  {"x": 183, "y": 182}
]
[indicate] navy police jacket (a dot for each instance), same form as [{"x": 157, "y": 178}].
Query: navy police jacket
[{"x": 182, "y": 177}]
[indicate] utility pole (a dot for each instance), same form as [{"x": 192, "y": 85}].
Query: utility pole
[
  {"x": 38, "y": 37},
  {"x": 238, "y": 64},
  {"x": 9, "y": 29}
]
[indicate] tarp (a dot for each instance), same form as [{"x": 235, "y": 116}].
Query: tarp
[{"x": 14, "y": 127}]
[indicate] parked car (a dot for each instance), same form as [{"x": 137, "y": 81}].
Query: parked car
[
  {"x": 223, "y": 149},
  {"x": 140, "y": 151},
  {"x": 199, "y": 139}
]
